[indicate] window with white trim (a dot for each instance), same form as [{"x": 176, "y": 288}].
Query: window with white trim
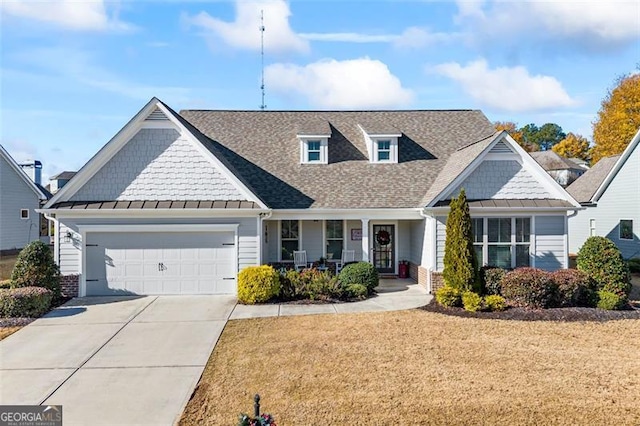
[
  {"x": 592, "y": 227},
  {"x": 502, "y": 241},
  {"x": 626, "y": 229},
  {"x": 335, "y": 239},
  {"x": 313, "y": 150},
  {"x": 383, "y": 150},
  {"x": 289, "y": 238},
  {"x": 24, "y": 213}
]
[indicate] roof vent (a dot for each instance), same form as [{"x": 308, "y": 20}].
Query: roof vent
[
  {"x": 501, "y": 148},
  {"x": 157, "y": 115}
]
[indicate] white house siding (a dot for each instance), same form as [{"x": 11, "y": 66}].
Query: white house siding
[
  {"x": 621, "y": 200},
  {"x": 550, "y": 245},
  {"x": 312, "y": 239},
  {"x": 16, "y": 194},
  {"x": 416, "y": 241},
  {"x": 355, "y": 245},
  {"x": 69, "y": 252},
  {"x": 158, "y": 164},
  {"x": 441, "y": 236},
  {"x": 501, "y": 180},
  {"x": 404, "y": 240}
]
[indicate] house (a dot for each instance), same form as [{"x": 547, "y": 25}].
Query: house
[
  {"x": 610, "y": 191},
  {"x": 179, "y": 203},
  {"x": 563, "y": 170},
  {"x": 20, "y": 197},
  {"x": 58, "y": 181}
]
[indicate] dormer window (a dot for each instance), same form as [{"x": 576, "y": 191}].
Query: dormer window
[
  {"x": 383, "y": 150},
  {"x": 382, "y": 147},
  {"x": 313, "y": 149}
]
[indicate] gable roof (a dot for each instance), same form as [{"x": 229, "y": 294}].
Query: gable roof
[
  {"x": 550, "y": 160},
  {"x": 589, "y": 187},
  {"x": 63, "y": 175},
  {"x": 18, "y": 170},
  {"x": 262, "y": 146}
]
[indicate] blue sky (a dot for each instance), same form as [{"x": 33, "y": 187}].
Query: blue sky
[{"x": 74, "y": 72}]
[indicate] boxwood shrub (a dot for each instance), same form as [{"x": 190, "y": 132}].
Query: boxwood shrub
[
  {"x": 471, "y": 301},
  {"x": 528, "y": 288},
  {"x": 574, "y": 288},
  {"x": 601, "y": 259},
  {"x": 610, "y": 301},
  {"x": 35, "y": 267},
  {"x": 257, "y": 284},
  {"x": 448, "y": 296},
  {"x": 494, "y": 303},
  {"x": 360, "y": 273},
  {"x": 25, "y": 302}
]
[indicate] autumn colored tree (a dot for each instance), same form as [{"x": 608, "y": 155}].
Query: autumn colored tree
[
  {"x": 517, "y": 135},
  {"x": 573, "y": 146},
  {"x": 618, "y": 119}
]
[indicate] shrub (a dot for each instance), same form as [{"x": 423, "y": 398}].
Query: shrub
[
  {"x": 28, "y": 302},
  {"x": 360, "y": 273},
  {"x": 574, "y": 288},
  {"x": 5, "y": 284},
  {"x": 471, "y": 301},
  {"x": 448, "y": 296},
  {"x": 634, "y": 265},
  {"x": 610, "y": 301},
  {"x": 490, "y": 277},
  {"x": 35, "y": 267},
  {"x": 460, "y": 263},
  {"x": 356, "y": 291},
  {"x": 528, "y": 288},
  {"x": 288, "y": 280},
  {"x": 322, "y": 285},
  {"x": 494, "y": 302},
  {"x": 601, "y": 260},
  {"x": 257, "y": 284}
]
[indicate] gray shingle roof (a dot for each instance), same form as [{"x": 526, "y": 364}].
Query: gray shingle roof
[
  {"x": 550, "y": 160},
  {"x": 63, "y": 175},
  {"x": 584, "y": 188},
  {"x": 261, "y": 147}
]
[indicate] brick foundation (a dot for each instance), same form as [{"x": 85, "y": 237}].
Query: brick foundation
[
  {"x": 437, "y": 281},
  {"x": 69, "y": 285},
  {"x": 419, "y": 274}
]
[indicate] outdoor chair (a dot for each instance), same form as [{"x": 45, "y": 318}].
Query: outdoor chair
[
  {"x": 347, "y": 256},
  {"x": 300, "y": 260}
]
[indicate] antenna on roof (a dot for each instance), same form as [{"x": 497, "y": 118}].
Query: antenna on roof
[{"x": 263, "y": 106}]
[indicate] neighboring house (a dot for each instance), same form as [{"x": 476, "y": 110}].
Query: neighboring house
[
  {"x": 563, "y": 170},
  {"x": 179, "y": 203},
  {"x": 19, "y": 198},
  {"x": 610, "y": 191},
  {"x": 56, "y": 182},
  {"x": 583, "y": 164}
]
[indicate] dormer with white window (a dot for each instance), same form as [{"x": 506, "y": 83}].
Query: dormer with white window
[
  {"x": 314, "y": 149},
  {"x": 382, "y": 147}
]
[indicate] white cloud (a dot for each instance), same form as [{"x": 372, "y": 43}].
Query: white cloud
[
  {"x": 350, "y": 84},
  {"x": 243, "y": 33},
  {"x": 410, "y": 38},
  {"x": 507, "y": 89},
  {"x": 85, "y": 15},
  {"x": 589, "y": 23},
  {"x": 349, "y": 37}
]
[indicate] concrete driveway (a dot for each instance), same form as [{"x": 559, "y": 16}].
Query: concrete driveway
[{"x": 114, "y": 360}]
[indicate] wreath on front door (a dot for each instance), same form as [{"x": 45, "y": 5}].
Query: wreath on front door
[{"x": 383, "y": 238}]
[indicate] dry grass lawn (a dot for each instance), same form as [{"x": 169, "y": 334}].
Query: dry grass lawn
[
  {"x": 417, "y": 367},
  {"x": 6, "y": 266},
  {"x": 8, "y": 331}
]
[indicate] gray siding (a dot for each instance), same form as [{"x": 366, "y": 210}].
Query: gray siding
[
  {"x": 441, "y": 236},
  {"x": 312, "y": 239},
  {"x": 501, "y": 180},
  {"x": 16, "y": 194},
  {"x": 621, "y": 200},
  {"x": 416, "y": 240},
  {"x": 272, "y": 241},
  {"x": 70, "y": 252},
  {"x": 355, "y": 245},
  {"x": 158, "y": 164},
  {"x": 404, "y": 240},
  {"x": 550, "y": 248}
]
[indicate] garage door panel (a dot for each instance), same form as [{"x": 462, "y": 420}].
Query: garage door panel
[{"x": 161, "y": 263}]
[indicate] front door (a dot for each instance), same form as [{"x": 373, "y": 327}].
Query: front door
[{"x": 384, "y": 248}]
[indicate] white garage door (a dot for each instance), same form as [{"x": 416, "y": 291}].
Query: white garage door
[{"x": 160, "y": 263}]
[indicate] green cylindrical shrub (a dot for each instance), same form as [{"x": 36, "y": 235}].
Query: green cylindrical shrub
[
  {"x": 25, "y": 302},
  {"x": 495, "y": 303},
  {"x": 460, "y": 263},
  {"x": 575, "y": 288},
  {"x": 448, "y": 296},
  {"x": 360, "y": 273},
  {"x": 257, "y": 284},
  {"x": 601, "y": 259},
  {"x": 471, "y": 301},
  {"x": 528, "y": 288},
  {"x": 35, "y": 267},
  {"x": 610, "y": 301}
]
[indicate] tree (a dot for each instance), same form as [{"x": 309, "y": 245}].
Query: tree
[
  {"x": 511, "y": 128},
  {"x": 573, "y": 146},
  {"x": 618, "y": 119},
  {"x": 549, "y": 135},
  {"x": 528, "y": 138},
  {"x": 460, "y": 263}
]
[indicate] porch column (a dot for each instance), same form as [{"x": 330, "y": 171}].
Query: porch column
[{"x": 365, "y": 240}]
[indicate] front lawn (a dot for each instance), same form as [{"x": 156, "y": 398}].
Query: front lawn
[
  {"x": 418, "y": 367},
  {"x": 6, "y": 266}
]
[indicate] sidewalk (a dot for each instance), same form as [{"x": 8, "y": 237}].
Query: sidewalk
[{"x": 392, "y": 295}]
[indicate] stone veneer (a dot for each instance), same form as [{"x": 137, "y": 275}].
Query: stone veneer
[{"x": 69, "y": 285}]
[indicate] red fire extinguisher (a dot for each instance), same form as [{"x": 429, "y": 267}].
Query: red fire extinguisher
[{"x": 403, "y": 269}]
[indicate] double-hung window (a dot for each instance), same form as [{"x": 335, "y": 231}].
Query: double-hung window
[
  {"x": 383, "y": 150},
  {"x": 289, "y": 238},
  {"x": 502, "y": 241},
  {"x": 313, "y": 151},
  {"x": 335, "y": 239},
  {"x": 626, "y": 229}
]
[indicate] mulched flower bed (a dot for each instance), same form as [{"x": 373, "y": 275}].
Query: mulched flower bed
[
  {"x": 553, "y": 314},
  {"x": 15, "y": 322}
]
